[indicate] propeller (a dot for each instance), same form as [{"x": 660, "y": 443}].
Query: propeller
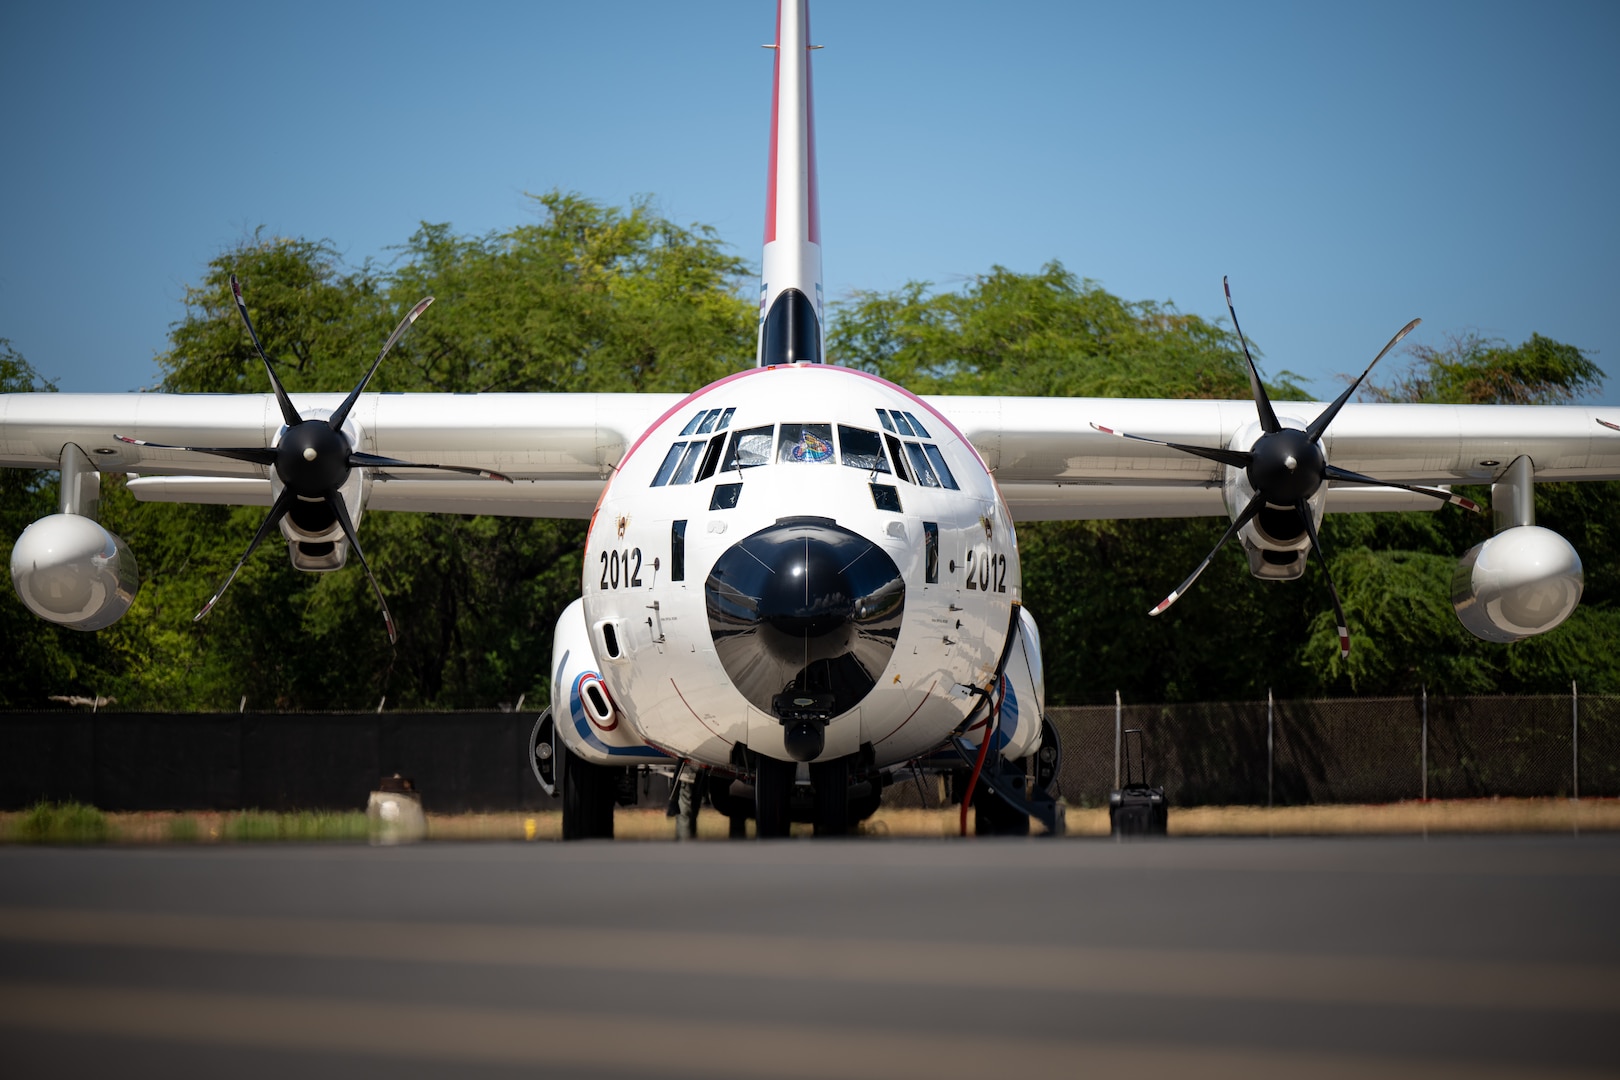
[
  {"x": 1286, "y": 467},
  {"x": 1610, "y": 424},
  {"x": 314, "y": 458}
]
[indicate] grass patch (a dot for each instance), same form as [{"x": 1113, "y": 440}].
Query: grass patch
[
  {"x": 61, "y": 823},
  {"x": 253, "y": 825}
]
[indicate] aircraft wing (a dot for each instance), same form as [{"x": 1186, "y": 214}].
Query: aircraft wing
[
  {"x": 1052, "y": 465},
  {"x": 558, "y": 449}
]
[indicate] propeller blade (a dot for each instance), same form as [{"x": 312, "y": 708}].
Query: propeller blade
[
  {"x": 1241, "y": 520},
  {"x": 342, "y": 512},
  {"x": 374, "y": 461},
  {"x": 1320, "y": 424},
  {"x": 259, "y": 455},
  {"x": 272, "y": 519},
  {"x": 1240, "y": 459},
  {"x": 342, "y": 414},
  {"x": 1268, "y": 415},
  {"x": 288, "y": 413},
  {"x": 1610, "y": 424},
  {"x": 1345, "y": 476},
  {"x": 1338, "y": 609}
]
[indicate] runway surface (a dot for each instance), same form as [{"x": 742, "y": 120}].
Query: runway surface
[{"x": 1202, "y": 958}]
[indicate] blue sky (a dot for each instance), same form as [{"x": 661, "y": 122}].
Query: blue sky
[{"x": 1350, "y": 166}]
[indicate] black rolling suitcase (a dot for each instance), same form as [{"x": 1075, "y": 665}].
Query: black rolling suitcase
[{"x": 1137, "y": 809}]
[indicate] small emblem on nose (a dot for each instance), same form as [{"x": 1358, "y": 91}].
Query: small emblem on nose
[{"x": 309, "y": 453}]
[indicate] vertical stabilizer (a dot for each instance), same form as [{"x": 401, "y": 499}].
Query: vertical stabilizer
[{"x": 790, "y": 301}]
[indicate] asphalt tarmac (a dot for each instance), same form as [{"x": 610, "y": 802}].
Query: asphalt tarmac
[{"x": 1201, "y": 958}]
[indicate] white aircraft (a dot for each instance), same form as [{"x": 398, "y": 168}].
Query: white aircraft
[{"x": 801, "y": 580}]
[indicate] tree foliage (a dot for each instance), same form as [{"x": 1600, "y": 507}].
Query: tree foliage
[
  {"x": 585, "y": 298},
  {"x": 1472, "y": 370},
  {"x": 592, "y": 298}
]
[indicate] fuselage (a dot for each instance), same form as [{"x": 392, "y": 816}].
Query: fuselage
[{"x": 798, "y": 541}]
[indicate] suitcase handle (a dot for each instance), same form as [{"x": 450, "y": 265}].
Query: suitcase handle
[{"x": 1141, "y": 760}]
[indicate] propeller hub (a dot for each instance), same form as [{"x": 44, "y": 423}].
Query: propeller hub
[
  {"x": 1288, "y": 466},
  {"x": 312, "y": 458}
]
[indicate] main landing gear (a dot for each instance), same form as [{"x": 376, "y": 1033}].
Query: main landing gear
[
  {"x": 589, "y": 794},
  {"x": 776, "y": 799}
]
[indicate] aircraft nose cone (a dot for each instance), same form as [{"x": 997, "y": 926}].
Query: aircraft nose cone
[{"x": 804, "y": 615}]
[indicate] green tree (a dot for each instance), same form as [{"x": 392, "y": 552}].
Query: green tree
[
  {"x": 1396, "y": 568},
  {"x": 1473, "y": 370},
  {"x": 586, "y": 298}
]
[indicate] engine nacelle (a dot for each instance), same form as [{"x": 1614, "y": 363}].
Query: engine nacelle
[
  {"x": 1275, "y": 541},
  {"x": 70, "y": 571},
  {"x": 315, "y": 540},
  {"x": 1521, "y": 582}
]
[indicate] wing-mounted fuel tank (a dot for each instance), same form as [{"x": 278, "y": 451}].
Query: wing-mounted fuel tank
[
  {"x": 1275, "y": 540},
  {"x": 1523, "y": 581},
  {"x": 590, "y": 723},
  {"x": 66, "y": 568},
  {"x": 70, "y": 571}
]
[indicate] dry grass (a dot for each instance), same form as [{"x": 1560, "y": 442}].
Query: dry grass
[{"x": 69, "y": 824}]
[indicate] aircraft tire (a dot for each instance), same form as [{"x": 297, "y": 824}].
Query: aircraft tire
[
  {"x": 589, "y": 794},
  {"x": 773, "y": 797},
  {"x": 994, "y": 816},
  {"x": 830, "y": 780}
]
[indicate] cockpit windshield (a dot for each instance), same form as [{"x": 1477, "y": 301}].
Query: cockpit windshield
[
  {"x": 862, "y": 449},
  {"x": 805, "y": 443},
  {"x": 749, "y": 447}
]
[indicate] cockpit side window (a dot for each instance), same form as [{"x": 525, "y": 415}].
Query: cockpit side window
[
  {"x": 916, "y": 426},
  {"x": 901, "y": 422},
  {"x": 689, "y": 463},
  {"x": 692, "y": 424},
  {"x": 805, "y": 443},
  {"x": 749, "y": 447},
  {"x": 883, "y": 418},
  {"x": 711, "y": 458},
  {"x": 937, "y": 460},
  {"x": 899, "y": 457},
  {"x": 667, "y": 469},
  {"x": 920, "y": 466},
  {"x": 861, "y": 449}
]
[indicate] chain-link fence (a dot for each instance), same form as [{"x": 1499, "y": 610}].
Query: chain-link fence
[{"x": 1351, "y": 751}]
